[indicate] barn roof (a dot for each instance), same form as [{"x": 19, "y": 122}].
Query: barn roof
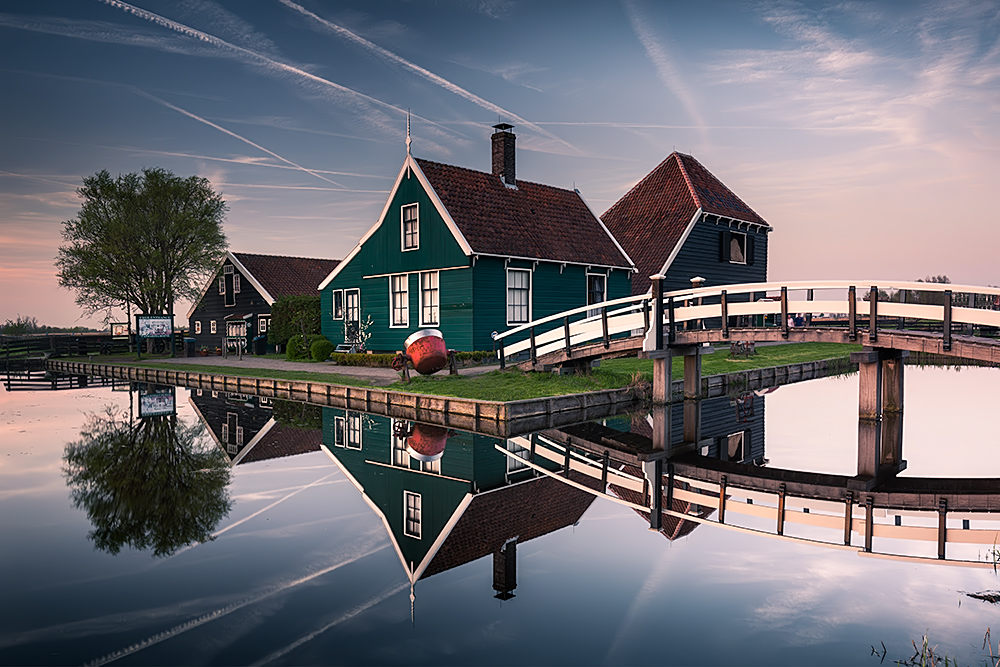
[
  {"x": 286, "y": 276},
  {"x": 531, "y": 220},
  {"x": 650, "y": 220}
]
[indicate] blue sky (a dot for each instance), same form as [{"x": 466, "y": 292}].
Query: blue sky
[{"x": 866, "y": 133}]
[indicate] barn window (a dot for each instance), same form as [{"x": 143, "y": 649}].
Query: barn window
[
  {"x": 736, "y": 247},
  {"x": 411, "y": 228},
  {"x": 518, "y": 296},
  {"x": 236, "y": 283},
  {"x": 597, "y": 284},
  {"x": 212, "y": 328},
  {"x": 197, "y": 326},
  {"x": 399, "y": 301}
]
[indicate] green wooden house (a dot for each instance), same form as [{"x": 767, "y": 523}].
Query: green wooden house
[{"x": 470, "y": 253}]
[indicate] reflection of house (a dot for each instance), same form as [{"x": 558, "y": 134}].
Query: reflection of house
[
  {"x": 469, "y": 253},
  {"x": 236, "y": 303},
  {"x": 442, "y": 512},
  {"x": 245, "y": 429},
  {"x": 682, "y": 222}
]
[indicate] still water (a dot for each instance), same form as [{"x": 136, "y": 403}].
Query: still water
[{"x": 257, "y": 540}]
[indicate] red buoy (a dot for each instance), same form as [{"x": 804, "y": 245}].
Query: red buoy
[{"x": 427, "y": 351}]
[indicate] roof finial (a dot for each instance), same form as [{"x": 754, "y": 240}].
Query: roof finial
[{"x": 408, "y": 132}]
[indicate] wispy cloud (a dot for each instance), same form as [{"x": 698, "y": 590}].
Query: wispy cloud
[
  {"x": 395, "y": 59},
  {"x": 663, "y": 60},
  {"x": 234, "y": 135}
]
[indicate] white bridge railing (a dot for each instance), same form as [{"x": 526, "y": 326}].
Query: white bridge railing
[{"x": 943, "y": 304}]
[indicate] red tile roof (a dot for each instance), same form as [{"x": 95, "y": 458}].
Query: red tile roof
[
  {"x": 651, "y": 218},
  {"x": 534, "y": 221},
  {"x": 283, "y": 441},
  {"x": 287, "y": 276},
  {"x": 523, "y": 511}
]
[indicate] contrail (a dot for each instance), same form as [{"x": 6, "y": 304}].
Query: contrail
[
  {"x": 420, "y": 71},
  {"x": 346, "y": 616},
  {"x": 156, "y": 99},
  {"x": 230, "y": 608},
  {"x": 663, "y": 62},
  {"x": 270, "y": 63}
]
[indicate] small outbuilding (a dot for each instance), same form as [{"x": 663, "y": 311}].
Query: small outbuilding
[{"x": 235, "y": 306}]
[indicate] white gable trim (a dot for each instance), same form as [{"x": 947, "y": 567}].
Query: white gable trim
[
  {"x": 680, "y": 242},
  {"x": 409, "y": 164},
  {"x": 606, "y": 230},
  {"x": 243, "y": 270}
]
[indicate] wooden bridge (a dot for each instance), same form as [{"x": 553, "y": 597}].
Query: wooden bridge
[{"x": 890, "y": 316}]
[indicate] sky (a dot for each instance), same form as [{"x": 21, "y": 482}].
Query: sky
[{"x": 865, "y": 133}]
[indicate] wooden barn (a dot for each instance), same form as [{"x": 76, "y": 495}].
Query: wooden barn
[
  {"x": 235, "y": 306},
  {"x": 470, "y": 253},
  {"x": 682, "y": 222}
]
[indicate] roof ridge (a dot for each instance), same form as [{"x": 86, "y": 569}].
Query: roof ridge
[
  {"x": 486, "y": 173},
  {"x": 687, "y": 179},
  {"x": 258, "y": 254}
]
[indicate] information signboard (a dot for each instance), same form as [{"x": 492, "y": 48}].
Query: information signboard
[
  {"x": 157, "y": 401},
  {"x": 154, "y": 326},
  {"x": 119, "y": 330}
]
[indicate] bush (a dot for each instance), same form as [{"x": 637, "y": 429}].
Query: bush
[
  {"x": 297, "y": 349},
  {"x": 320, "y": 349}
]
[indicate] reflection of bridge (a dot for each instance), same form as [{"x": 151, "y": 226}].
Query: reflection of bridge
[{"x": 677, "y": 487}]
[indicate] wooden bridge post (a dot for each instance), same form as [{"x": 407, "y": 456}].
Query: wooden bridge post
[
  {"x": 662, "y": 371},
  {"x": 569, "y": 352},
  {"x": 873, "y": 314},
  {"x": 852, "y": 312},
  {"x": 971, "y": 304},
  {"x": 654, "y": 477},
  {"x": 503, "y": 359},
  {"x": 809, "y": 315},
  {"x": 848, "y": 517},
  {"x": 784, "y": 312},
  {"x": 725, "y": 315},
  {"x": 901, "y": 322},
  {"x": 869, "y": 522},
  {"x": 604, "y": 326},
  {"x": 946, "y": 343},
  {"x": 657, "y": 296},
  {"x": 942, "y": 526},
  {"x": 534, "y": 355}
]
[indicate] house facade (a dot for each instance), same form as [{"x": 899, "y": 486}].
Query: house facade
[
  {"x": 682, "y": 222},
  {"x": 470, "y": 253},
  {"x": 236, "y": 303}
]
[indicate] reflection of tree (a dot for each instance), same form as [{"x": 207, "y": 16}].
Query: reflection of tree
[{"x": 147, "y": 485}]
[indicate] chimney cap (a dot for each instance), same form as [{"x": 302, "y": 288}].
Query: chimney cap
[{"x": 503, "y": 127}]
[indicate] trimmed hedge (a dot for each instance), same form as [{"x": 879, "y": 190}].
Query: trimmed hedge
[
  {"x": 296, "y": 349},
  {"x": 320, "y": 349},
  {"x": 385, "y": 360}
]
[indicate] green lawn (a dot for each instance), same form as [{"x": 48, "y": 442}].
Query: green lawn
[{"x": 512, "y": 384}]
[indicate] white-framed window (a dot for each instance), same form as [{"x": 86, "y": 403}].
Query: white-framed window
[
  {"x": 239, "y": 436},
  {"x": 736, "y": 446},
  {"x": 263, "y": 401},
  {"x": 236, "y": 283},
  {"x": 353, "y": 430},
  {"x": 411, "y": 514},
  {"x": 339, "y": 431},
  {"x": 338, "y": 304},
  {"x": 520, "y": 458},
  {"x": 197, "y": 326},
  {"x": 734, "y": 248},
  {"x": 518, "y": 296},
  {"x": 399, "y": 300},
  {"x": 429, "y": 299},
  {"x": 400, "y": 456},
  {"x": 411, "y": 227},
  {"x": 262, "y": 324},
  {"x": 433, "y": 467},
  {"x": 352, "y": 314},
  {"x": 212, "y": 327},
  {"x": 225, "y": 432},
  {"x": 597, "y": 291},
  {"x": 222, "y": 284}
]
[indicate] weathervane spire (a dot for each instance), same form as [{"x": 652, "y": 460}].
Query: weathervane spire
[{"x": 408, "y": 140}]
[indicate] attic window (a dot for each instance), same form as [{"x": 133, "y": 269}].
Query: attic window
[
  {"x": 411, "y": 514},
  {"x": 411, "y": 227},
  {"x": 736, "y": 248}
]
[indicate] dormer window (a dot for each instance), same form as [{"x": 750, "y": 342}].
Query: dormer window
[
  {"x": 735, "y": 247},
  {"x": 411, "y": 227}
]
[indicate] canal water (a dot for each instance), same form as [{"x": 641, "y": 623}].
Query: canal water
[{"x": 259, "y": 532}]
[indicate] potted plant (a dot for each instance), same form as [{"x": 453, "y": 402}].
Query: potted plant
[{"x": 203, "y": 351}]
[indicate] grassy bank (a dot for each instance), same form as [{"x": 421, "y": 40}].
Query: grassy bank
[{"x": 512, "y": 384}]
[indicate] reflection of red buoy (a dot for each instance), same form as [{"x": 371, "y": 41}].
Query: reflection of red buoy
[
  {"x": 427, "y": 350},
  {"x": 426, "y": 442}
]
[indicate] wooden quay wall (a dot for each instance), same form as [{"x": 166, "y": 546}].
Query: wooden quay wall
[{"x": 496, "y": 418}]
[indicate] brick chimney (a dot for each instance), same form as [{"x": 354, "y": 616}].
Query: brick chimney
[{"x": 503, "y": 153}]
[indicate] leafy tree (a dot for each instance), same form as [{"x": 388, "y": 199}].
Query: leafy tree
[
  {"x": 291, "y": 315},
  {"x": 150, "y": 485},
  {"x": 143, "y": 240},
  {"x": 20, "y": 327}
]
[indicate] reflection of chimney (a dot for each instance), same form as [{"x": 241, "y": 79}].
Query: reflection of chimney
[
  {"x": 503, "y": 153},
  {"x": 505, "y": 569}
]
